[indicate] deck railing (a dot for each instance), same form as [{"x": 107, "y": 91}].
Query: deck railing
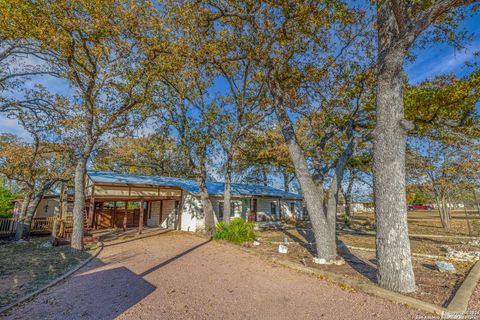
[
  {"x": 39, "y": 226},
  {"x": 42, "y": 225},
  {"x": 7, "y": 226}
]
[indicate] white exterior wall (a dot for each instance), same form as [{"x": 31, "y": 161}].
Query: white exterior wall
[
  {"x": 193, "y": 217},
  {"x": 153, "y": 219},
  {"x": 297, "y": 208},
  {"x": 237, "y": 211},
  {"x": 168, "y": 214},
  {"x": 264, "y": 210},
  {"x": 47, "y": 208},
  {"x": 192, "y": 213}
]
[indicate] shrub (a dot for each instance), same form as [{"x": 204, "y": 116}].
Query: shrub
[
  {"x": 237, "y": 231},
  {"x": 5, "y": 215}
]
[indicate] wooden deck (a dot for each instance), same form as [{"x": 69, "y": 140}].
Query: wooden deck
[{"x": 39, "y": 226}]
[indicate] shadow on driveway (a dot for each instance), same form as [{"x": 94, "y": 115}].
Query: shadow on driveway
[{"x": 95, "y": 294}]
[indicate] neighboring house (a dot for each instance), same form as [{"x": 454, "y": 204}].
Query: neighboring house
[
  {"x": 363, "y": 207},
  {"x": 48, "y": 206},
  {"x": 115, "y": 200}
]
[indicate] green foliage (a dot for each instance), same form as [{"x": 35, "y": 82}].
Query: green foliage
[
  {"x": 6, "y": 200},
  {"x": 237, "y": 231},
  {"x": 346, "y": 219},
  {"x": 417, "y": 196}
]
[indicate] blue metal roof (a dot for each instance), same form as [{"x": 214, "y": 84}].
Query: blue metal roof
[{"x": 214, "y": 188}]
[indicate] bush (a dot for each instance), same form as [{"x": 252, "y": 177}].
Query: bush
[
  {"x": 237, "y": 231},
  {"x": 5, "y": 215}
]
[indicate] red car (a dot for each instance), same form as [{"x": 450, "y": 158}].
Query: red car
[{"x": 420, "y": 207}]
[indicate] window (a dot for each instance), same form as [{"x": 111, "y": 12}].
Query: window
[
  {"x": 254, "y": 205},
  {"x": 220, "y": 210},
  {"x": 273, "y": 208},
  {"x": 292, "y": 207},
  {"x": 232, "y": 209}
]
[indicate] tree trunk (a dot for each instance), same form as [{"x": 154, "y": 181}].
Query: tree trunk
[
  {"x": 265, "y": 178},
  {"x": 79, "y": 204},
  {"x": 56, "y": 222},
  {"x": 207, "y": 208},
  {"x": 477, "y": 202},
  {"x": 439, "y": 207},
  {"x": 208, "y": 212},
  {"x": 323, "y": 223},
  {"x": 23, "y": 226},
  {"x": 347, "y": 195},
  {"x": 31, "y": 209},
  {"x": 446, "y": 210},
  {"x": 395, "y": 271},
  {"x": 20, "y": 227},
  {"x": 286, "y": 181},
  {"x": 227, "y": 192}
]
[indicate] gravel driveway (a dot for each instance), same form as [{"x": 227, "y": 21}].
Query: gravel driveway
[{"x": 181, "y": 276}]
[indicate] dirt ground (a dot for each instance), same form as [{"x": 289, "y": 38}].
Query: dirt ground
[
  {"x": 432, "y": 286},
  {"x": 181, "y": 276},
  {"x": 26, "y": 266},
  {"x": 429, "y": 246}
]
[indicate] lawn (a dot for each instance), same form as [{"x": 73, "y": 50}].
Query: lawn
[{"x": 27, "y": 266}]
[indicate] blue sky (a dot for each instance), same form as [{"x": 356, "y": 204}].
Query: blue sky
[
  {"x": 443, "y": 59},
  {"x": 430, "y": 61}
]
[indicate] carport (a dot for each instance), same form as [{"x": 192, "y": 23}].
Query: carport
[{"x": 119, "y": 204}]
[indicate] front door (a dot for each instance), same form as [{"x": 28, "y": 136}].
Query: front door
[{"x": 273, "y": 210}]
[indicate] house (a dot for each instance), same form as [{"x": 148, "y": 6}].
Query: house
[
  {"x": 363, "y": 207},
  {"x": 49, "y": 206},
  {"x": 128, "y": 200}
]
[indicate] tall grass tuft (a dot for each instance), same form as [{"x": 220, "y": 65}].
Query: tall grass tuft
[{"x": 237, "y": 231}]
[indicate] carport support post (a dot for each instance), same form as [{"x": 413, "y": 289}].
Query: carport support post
[
  {"x": 125, "y": 216},
  {"x": 114, "y": 218},
  {"x": 91, "y": 212},
  {"x": 140, "y": 220},
  {"x": 179, "y": 212}
]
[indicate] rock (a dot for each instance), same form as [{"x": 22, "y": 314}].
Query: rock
[
  {"x": 45, "y": 244},
  {"x": 256, "y": 243},
  {"x": 445, "y": 248},
  {"x": 462, "y": 255},
  {"x": 444, "y": 266},
  {"x": 475, "y": 243},
  {"x": 339, "y": 261},
  {"x": 282, "y": 248},
  {"x": 319, "y": 261}
]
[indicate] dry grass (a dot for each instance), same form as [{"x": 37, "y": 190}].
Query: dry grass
[
  {"x": 433, "y": 286},
  {"x": 25, "y": 267},
  {"x": 428, "y": 222}
]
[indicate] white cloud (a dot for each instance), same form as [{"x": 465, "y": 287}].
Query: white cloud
[
  {"x": 438, "y": 64},
  {"x": 11, "y": 126}
]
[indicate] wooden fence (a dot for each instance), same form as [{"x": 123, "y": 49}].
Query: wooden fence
[
  {"x": 7, "y": 226},
  {"x": 39, "y": 226}
]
